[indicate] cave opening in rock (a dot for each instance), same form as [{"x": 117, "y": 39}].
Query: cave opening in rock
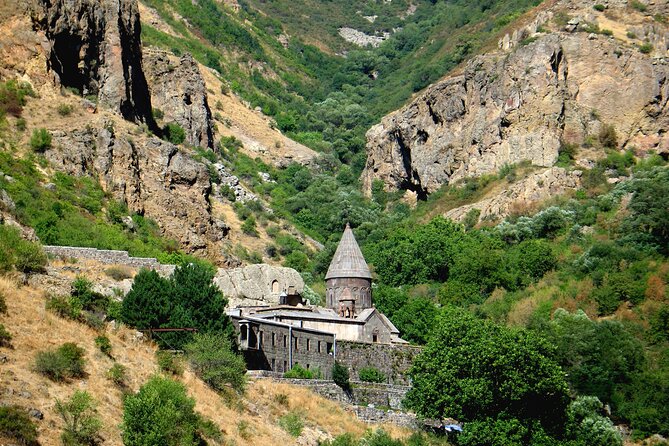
[{"x": 68, "y": 62}]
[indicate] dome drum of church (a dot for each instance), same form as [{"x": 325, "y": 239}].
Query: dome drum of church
[{"x": 348, "y": 280}]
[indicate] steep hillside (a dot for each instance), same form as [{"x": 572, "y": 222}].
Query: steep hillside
[
  {"x": 82, "y": 155},
  {"x": 567, "y": 79},
  {"x": 249, "y": 420}
]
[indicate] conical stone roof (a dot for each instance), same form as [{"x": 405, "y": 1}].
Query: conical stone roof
[{"x": 348, "y": 260}]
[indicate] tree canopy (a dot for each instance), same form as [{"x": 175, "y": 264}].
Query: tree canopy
[
  {"x": 476, "y": 371},
  {"x": 188, "y": 299}
]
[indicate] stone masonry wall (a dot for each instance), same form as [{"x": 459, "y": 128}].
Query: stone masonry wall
[
  {"x": 391, "y": 359},
  {"x": 106, "y": 256},
  {"x": 382, "y": 396}
]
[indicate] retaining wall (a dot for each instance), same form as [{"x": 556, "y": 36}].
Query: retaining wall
[
  {"x": 363, "y": 393},
  {"x": 393, "y": 360},
  {"x": 107, "y": 256}
]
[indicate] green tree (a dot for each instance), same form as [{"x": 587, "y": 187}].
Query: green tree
[
  {"x": 474, "y": 371},
  {"x": 417, "y": 255},
  {"x": 648, "y": 223},
  {"x": 149, "y": 303},
  {"x": 597, "y": 355},
  {"x": 212, "y": 358},
  {"x": 161, "y": 413},
  {"x": 197, "y": 303},
  {"x": 340, "y": 377},
  {"x": 588, "y": 425},
  {"x": 81, "y": 422}
]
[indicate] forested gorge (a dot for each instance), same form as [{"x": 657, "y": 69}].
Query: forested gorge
[{"x": 549, "y": 327}]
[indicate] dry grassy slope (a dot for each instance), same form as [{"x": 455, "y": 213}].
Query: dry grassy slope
[{"x": 34, "y": 329}]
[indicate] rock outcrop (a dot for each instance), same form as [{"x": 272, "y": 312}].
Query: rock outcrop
[
  {"x": 178, "y": 90},
  {"x": 257, "y": 284},
  {"x": 94, "y": 47},
  {"x": 509, "y": 107},
  {"x": 154, "y": 178},
  {"x": 359, "y": 38},
  {"x": 535, "y": 188}
]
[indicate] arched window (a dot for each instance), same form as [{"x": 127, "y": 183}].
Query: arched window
[{"x": 275, "y": 286}]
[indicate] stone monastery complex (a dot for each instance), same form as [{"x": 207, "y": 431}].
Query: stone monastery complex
[{"x": 277, "y": 337}]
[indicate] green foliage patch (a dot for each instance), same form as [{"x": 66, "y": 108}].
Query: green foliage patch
[
  {"x": 212, "y": 358},
  {"x": 82, "y": 425},
  {"x": 17, "y": 425},
  {"x": 161, "y": 412},
  {"x": 65, "y": 362},
  {"x": 188, "y": 299}
]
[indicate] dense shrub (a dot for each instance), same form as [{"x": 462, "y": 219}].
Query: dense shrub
[
  {"x": 13, "y": 96},
  {"x": 169, "y": 362},
  {"x": 67, "y": 361},
  {"x": 102, "y": 342},
  {"x": 292, "y": 423},
  {"x": 646, "y": 48},
  {"x": 3, "y": 304},
  {"x": 213, "y": 360},
  {"x": 174, "y": 133},
  {"x": 300, "y": 372},
  {"x": 188, "y": 299},
  {"x": 588, "y": 425},
  {"x": 17, "y": 253},
  {"x": 371, "y": 374},
  {"x": 476, "y": 371},
  {"x": 40, "y": 140},
  {"x": 17, "y": 425},
  {"x": 160, "y": 413},
  {"x": 117, "y": 374},
  {"x": 340, "y": 376},
  {"x": 65, "y": 109},
  {"x": 63, "y": 307},
  {"x": 118, "y": 273},
  {"x": 79, "y": 415},
  {"x": 249, "y": 226}
]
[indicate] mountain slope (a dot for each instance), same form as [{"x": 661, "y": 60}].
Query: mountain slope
[
  {"x": 547, "y": 87},
  {"x": 250, "y": 420}
]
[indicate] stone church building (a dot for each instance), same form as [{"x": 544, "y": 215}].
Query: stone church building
[{"x": 277, "y": 337}]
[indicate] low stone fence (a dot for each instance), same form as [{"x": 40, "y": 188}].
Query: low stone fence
[
  {"x": 375, "y": 415},
  {"x": 106, "y": 256}
]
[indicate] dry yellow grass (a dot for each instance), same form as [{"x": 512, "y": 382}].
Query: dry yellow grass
[{"x": 34, "y": 329}]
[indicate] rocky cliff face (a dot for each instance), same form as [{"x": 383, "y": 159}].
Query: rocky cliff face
[
  {"x": 178, "y": 90},
  {"x": 154, "y": 177},
  {"x": 94, "y": 47},
  {"x": 518, "y": 105}
]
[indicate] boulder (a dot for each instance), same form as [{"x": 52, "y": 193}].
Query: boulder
[{"x": 257, "y": 284}]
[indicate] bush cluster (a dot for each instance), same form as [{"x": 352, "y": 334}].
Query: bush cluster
[
  {"x": 17, "y": 425},
  {"x": 161, "y": 412},
  {"x": 188, "y": 299},
  {"x": 19, "y": 254},
  {"x": 212, "y": 358},
  {"x": 82, "y": 425},
  {"x": 67, "y": 361},
  {"x": 299, "y": 372},
  {"x": 371, "y": 374}
]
